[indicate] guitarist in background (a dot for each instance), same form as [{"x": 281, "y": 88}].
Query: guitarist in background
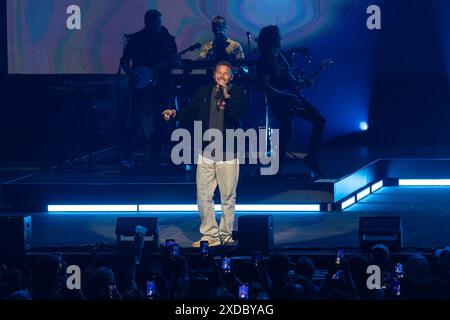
[
  {"x": 152, "y": 47},
  {"x": 275, "y": 75}
]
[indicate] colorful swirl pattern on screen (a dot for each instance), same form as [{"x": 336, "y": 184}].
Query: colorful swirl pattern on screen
[{"x": 39, "y": 42}]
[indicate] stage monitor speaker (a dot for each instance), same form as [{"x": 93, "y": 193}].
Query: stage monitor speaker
[
  {"x": 385, "y": 230},
  {"x": 15, "y": 235},
  {"x": 255, "y": 234},
  {"x": 126, "y": 231}
]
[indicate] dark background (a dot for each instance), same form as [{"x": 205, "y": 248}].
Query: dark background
[{"x": 408, "y": 91}]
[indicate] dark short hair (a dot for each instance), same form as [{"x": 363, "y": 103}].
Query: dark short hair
[
  {"x": 305, "y": 267},
  {"x": 225, "y": 63},
  {"x": 267, "y": 38},
  {"x": 152, "y": 14},
  {"x": 218, "y": 19}
]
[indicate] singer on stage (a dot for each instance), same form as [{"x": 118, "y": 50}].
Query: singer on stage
[{"x": 218, "y": 106}]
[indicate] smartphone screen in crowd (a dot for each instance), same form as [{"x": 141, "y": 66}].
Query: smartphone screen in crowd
[
  {"x": 257, "y": 259},
  {"x": 151, "y": 289},
  {"x": 204, "y": 248},
  {"x": 174, "y": 251},
  {"x": 339, "y": 257},
  {"x": 226, "y": 265},
  {"x": 243, "y": 291},
  {"x": 170, "y": 242}
]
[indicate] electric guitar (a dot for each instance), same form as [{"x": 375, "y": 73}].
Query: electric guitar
[
  {"x": 297, "y": 88},
  {"x": 324, "y": 65},
  {"x": 145, "y": 76}
]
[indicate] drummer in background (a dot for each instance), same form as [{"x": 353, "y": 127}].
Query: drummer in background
[{"x": 222, "y": 48}]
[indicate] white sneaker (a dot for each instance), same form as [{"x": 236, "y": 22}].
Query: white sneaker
[{"x": 228, "y": 240}]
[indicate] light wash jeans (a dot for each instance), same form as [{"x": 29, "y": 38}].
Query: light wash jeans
[{"x": 211, "y": 174}]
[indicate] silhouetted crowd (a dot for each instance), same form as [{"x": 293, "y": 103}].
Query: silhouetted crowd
[{"x": 276, "y": 277}]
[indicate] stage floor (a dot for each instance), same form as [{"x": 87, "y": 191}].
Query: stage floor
[
  {"x": 107, "y": 183},
  {"x": 425, "y": 213}
]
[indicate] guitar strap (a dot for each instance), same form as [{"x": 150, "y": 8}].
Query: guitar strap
[{"x": 284, "y": 60}]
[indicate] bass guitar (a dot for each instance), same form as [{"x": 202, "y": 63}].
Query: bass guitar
[
  {"x": 144, "y": 76},
  {"x": 297, "y": 88}
]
